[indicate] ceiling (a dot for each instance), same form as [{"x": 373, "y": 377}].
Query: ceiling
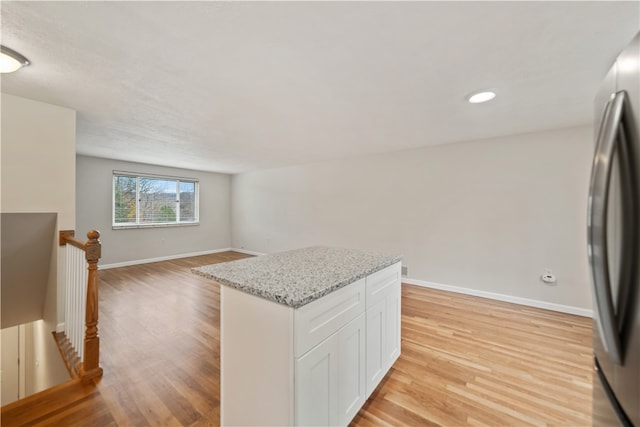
[{"x": 239, "y": 86}]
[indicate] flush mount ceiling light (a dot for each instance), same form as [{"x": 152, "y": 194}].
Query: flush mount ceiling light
[
  {"x": 11, "y": 61},
  {"x": 479, "y": 97}
]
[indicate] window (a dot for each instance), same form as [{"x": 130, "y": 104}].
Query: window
[{"x": 147, "y": 201}]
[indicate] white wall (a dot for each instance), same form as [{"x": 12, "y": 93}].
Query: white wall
[
  {"x": 13, "y": 381},
  {"x": 486, "y": 215},
  {"x": 40, "y": 365},
  {"x": 125, "y": 246},
  {"x": 38, "y": 174},
  {"x": 44, "y": 366}
]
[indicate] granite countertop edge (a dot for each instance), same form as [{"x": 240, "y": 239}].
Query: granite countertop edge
[{"x": 297, "y": 301}]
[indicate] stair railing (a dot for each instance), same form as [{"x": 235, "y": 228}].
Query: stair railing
[{"x": 81, "y": 312}]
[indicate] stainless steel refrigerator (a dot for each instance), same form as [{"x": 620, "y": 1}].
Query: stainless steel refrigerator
[{"x": 613, "y": 223}]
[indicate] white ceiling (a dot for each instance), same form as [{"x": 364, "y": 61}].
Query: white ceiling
[{"x": 237, "y": 86}]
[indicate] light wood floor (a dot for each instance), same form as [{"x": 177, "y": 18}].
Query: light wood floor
[
  {"x": 473, "y": 361},
  {"x": 465, "y": 360}
]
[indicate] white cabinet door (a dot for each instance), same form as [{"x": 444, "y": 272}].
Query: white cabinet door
[
  {"x": 316, "y": 383},
  {"x": 351, "y": 370},
  {"x": 383, "y": 324},
  {"x": 391, "y": 342},
  {"x": 376, "y": 353},
  {"x": 330, "y": 378}
]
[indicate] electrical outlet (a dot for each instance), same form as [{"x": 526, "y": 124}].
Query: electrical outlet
[
  {"x": 548, "y": 277},
  {"x": 405, "y": 270}
]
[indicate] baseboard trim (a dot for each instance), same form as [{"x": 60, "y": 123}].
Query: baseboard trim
[
  {"x": 501, "y": 297},
  {"x": 457, "y": 289},
  {"x": 60, "y": 327},
  {"x": 162, "y": 258},
  {"x": 245, "y": 251}
]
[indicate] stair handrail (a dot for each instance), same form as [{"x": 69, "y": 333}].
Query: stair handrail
[{"x": 90, "y": 364}]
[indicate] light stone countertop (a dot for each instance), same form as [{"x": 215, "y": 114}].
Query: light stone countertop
[{"x": 298, "y": 277}]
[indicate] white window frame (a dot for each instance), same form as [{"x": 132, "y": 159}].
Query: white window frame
[{"x": 137, "y": 223}]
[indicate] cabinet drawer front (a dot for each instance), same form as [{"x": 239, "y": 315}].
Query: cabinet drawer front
[
  {"x": 380, "y": 283},
  {"x": 317, "y": 320}
]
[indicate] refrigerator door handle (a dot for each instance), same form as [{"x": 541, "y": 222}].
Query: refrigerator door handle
[{"x": 597, "y": 225}]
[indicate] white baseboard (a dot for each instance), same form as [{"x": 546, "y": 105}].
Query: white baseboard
[
  {"x": 483, "y": 294},
  {"x": 60, "y": 327},
  {"x": 163, "y": 258},
  {"x": 245, "y": 251},
  {"x": 501, "y": 297}
]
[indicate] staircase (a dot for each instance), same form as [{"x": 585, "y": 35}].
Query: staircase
[
  {"x": 69, "y": 355},
  {"x": 72, "y": 402}
]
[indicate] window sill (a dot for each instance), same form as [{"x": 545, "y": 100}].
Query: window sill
[{"x": 157, "y": 225}]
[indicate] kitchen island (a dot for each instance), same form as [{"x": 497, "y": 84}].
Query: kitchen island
[{"x": 305, "y": 335}]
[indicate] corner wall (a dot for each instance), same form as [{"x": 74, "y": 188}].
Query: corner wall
[
  {"x": 485, "y": 216},
  {"x": 135, "y": 245},
  {"x": 38, "y": 174}
]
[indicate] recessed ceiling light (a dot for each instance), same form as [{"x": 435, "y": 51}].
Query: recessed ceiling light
[
  {"x": 478, "y": 97},
  {"x": 10, "y": 60}
]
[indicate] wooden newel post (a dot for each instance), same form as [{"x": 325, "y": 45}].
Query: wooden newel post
[{"x": 91, "y": 360}]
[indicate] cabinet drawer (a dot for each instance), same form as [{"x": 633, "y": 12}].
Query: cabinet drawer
[
  {"x": 381, "y": 282},
  {"x": 319, "y": 319}
]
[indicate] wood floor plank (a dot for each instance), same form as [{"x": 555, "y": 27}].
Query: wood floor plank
[{"x": 465, "y": 361}]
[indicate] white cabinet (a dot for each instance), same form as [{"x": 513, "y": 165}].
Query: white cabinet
[
  {"x": 315, "y": 365},
  {"x": 317, "y": 385},
  {"x": 383, "y": 323},
  {"x": 393, "y": 339},
  {"x": 334, "y": 379},
  {"x": 351, "y": 370},
  {"x": 325, "y": 316},
  {"x": 330, "y": 357},
  {"x": 376, "y": 317},
  {"x": 330, "y": 381}
]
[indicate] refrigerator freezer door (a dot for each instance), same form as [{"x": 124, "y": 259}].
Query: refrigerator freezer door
[
  {"x": 603, "y": 97},
  {"x": 606, "y": 410},
  {"x": 617, "y": 249},
  {"x": 627, "y": 377}
]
